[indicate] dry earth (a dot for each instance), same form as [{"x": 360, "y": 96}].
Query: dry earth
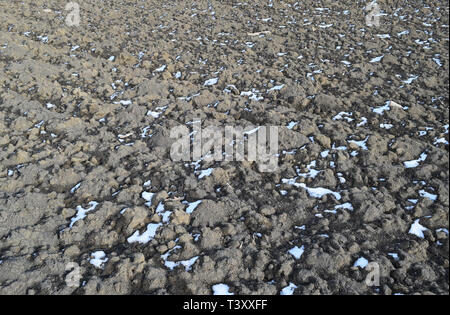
[{"x": 86, "y": 176}]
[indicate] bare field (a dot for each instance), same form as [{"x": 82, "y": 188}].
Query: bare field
[{"x": 91, "y": 201}]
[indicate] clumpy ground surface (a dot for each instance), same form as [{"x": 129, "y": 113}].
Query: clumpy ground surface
[{"x": 92, "y": 203}]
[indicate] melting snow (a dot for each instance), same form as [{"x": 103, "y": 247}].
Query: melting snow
[
  {"x": 81, "y": 214},
  {"x": 347, "y": 206},
  {"x": 205, "y": 173},
  {"x": 276, "y": 88},
  {"x": 187, "y": 264},
  {"x": 125, "y": 102},
  {"x": 411, "y": 79},
  {"x": 99, "y": 258},
  {"x": 415, "y": 163},
  {"x": 386, "y": 126},
  {"x": 361, "y": 262},
  {"x": 148, "y": 197},
  {"x": 211, "y": 82},
  {"x": 318, "y": 192},
  {"x": 147, "y": 236},
  {"x": 376, "y": 59},
  {"x": 291, "y": 125},
  {"x": 380, "y": 110},
  {"x": 161, "y": 69},
  {"x": 297, "y": 252},
  {"x": 424, "y": 194},
  {"x": 192, "y": 206},
  {"x": 394, "y": 255},
  {"x": 221, "y": 289},
  {"x": 74, "y": 188},
  {"x": 341, "y": 116},
  {"x": 417, "y": 229},
  {"x": 361, "y": 144},
  {"x": 289, "y": 290}
]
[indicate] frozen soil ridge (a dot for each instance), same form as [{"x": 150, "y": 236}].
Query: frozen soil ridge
[{"x": 87, "y": 184}]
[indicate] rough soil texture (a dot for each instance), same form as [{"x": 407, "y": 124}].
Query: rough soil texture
[{"x": 85, "y": 142}]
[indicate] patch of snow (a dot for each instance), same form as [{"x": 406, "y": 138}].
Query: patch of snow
[
  {"x": 363, "y": 122},
  {"x": 125, "y": 102},
  {"x": 361, "y": 144},
  {"x": 291, "y": 125},
  {"x": 424, "y": 194},
  {"x": 415, "y": 163},
  {"x": 376, "y": 59},
  {"x": 98, "y": 259},
  {"x": 192, "y": 206},
  {"x": 205, "y": 173},
  {"x": 361, "y": 262},
  {"x": 147, "y": 236},
  {"x": 211, "y": 82},
  {"x": 276, "y": 88},
  {"x": 74, "y": 188},
  {"x": 411, "y": 79},
  {"x": 386, "y": 126},
  {"x": 221, "y": 289},
  {"x": 297, "y": 252},
  {"x": 148, "y": 196},
  {"x": 161, "y": 69},
  {"x": 147, "y": 183},
  {"x": 289, "y": 290},
  {"x": 318, "y": 192},
  {"x": 82, "y": 213},
  {"x": 417, "y": 229},
  {"x": 394, "y": 255}
]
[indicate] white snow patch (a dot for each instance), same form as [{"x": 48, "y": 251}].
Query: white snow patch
[
  {"x": 74, "y": 188},
  {"x": 192, "y": 206},
  {"x": 417, "y": 229},
  {"x": 318, "y": 192},
  {"x": 386, "y": 126},
  {"x": 361, "y": 144},
  {"x": 297, "y": 252},
  {"x": 363, "y": 122},
  {"x": 394, "y": 255},
  {"x": 98, "y": 259},
  {"x": 82, "y": 213},
  {"x": 415, "y": 163},
  {"x": 161, "y": 69},
  {"x": 147, "y": 236},
  {"x": 221, "y": 289},
  {"x": 187, "y": 264},
  {"x": 276, "y": 88},
  {"x": 361, "y": 262},
  {"x": 205, "y": 173},
  {"x": 125, "y": 102},
  {"x": 291, "y": 125},
  {"x": 289, "y": 290},
  {"x": 341, "y": 116},
  {"x": 424, "y": 194},
  {"x": 211, "y": 82},
  {"x": 148, "y": 196},
  {"x": 411, "y": 79},
  {"x": 376, "y": 59}
]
